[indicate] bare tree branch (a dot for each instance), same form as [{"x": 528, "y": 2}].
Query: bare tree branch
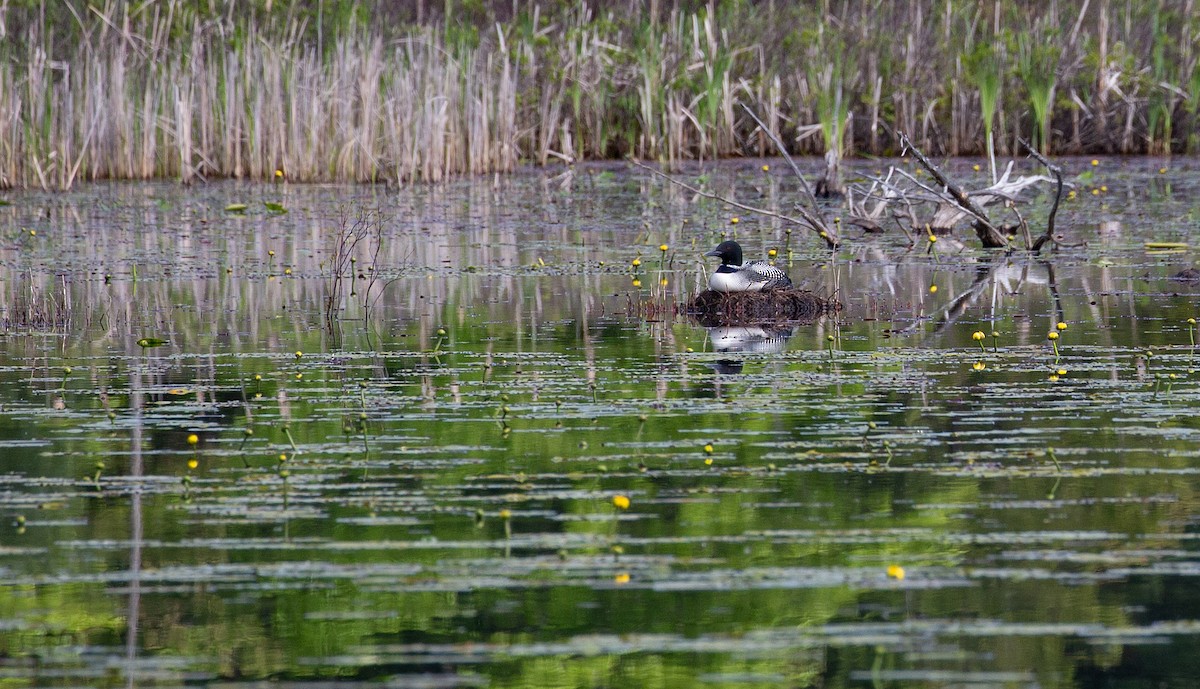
[
  {"x": 812, "y": 223},
  {"x": 988, "y": 234},
  {"x": 1048, "y": 236},
  {"x": 812, "y": 200}
]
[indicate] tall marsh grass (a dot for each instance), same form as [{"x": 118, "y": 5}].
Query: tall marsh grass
[{"x": 340, "y": 91}]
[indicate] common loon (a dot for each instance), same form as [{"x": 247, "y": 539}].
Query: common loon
[
  {"x": 750, "y": 339},
  {"x": 735, "y": 276}
]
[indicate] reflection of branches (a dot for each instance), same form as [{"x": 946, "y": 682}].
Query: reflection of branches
[
  {"x": 996, "y": 273},
  {"x": 1059, "y": 314},
  {"x": 959, "y": 304},
  {"x": 27, "y": 304},
  {"x": 369, "y": 299},
  {"x": 366, "y": 226}
]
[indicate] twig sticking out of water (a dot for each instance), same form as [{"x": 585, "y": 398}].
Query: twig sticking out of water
[
  {"x": 829, "y": 239},
  {"x": 1191, "y": 324},
  {"x": 1057, "y": 172},
  {"x": 362, "y": 419},
  {"x": 366, "y": 225},
  {"x": 247, "y": 433}
]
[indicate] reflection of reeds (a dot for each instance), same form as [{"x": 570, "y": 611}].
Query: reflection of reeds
[
  {"x": 35, "y": 303},
  {"x": 128, "y": 93}
]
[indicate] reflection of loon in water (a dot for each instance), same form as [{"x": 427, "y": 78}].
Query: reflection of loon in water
[
  {"x": 757, "y": 340},
  {"x": 754, "y": 340}
]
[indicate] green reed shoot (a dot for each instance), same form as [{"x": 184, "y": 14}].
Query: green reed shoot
[
  {"x": 506, "y": 516},
  {"x": 362, "y": 428},
  {"x": 1191, "y": 326},
  {"x": 984, "y": 71},
  {"x": 1037, "y": 62},
  {"x": 867, "y": 432},
  {"x": 1053, "y": 458},
  {"x": 287, "y": 432}
]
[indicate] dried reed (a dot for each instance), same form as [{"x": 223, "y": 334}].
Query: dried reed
[{"x": 171, "y": 89}]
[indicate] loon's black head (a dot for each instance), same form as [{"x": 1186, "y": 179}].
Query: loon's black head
[{"x": 729, "y": 251}]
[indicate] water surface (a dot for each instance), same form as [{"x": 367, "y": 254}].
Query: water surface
[{"x": 412, "y": 483}]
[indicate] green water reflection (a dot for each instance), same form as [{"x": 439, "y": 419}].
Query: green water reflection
[{"x": 426, "y": 497}]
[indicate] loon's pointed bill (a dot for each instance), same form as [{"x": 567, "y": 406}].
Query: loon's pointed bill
[{"x": 735, "y": 276}]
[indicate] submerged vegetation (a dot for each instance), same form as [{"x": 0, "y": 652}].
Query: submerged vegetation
[{"x": 333, "y": 90}]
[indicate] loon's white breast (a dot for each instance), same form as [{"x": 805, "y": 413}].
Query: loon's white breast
[
  {"x": 749, "y": 277},
  {"x": 736, "y": 276}
]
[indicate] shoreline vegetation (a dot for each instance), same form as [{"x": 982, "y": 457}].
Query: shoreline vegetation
[{"x": 336, "y": 90}]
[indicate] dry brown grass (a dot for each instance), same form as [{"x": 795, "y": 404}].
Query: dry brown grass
[{"x": 138, "y": 91}]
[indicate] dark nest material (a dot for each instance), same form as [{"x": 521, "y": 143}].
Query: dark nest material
[
  {"x": 713, "y": 308},
  {"x": 1187, "y": 275}
]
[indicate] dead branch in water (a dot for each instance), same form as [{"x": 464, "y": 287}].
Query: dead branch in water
[
  {"x": 829, "y": 238},
  {"x": 899, "y": 192},
  {"x": 1048, "y": 236},
  {"x": 1004, "y": 189},
  {"x": 987, "y": 232},
  {"x": 812, "y": 200},
  {"x": 830, "y": 185},
  {"x": 811, "y": 215}
]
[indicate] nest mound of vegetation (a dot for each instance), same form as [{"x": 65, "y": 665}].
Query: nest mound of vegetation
[
  {"x": 713, "y": 308},
  {"x": 1187, "y": 275}
]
